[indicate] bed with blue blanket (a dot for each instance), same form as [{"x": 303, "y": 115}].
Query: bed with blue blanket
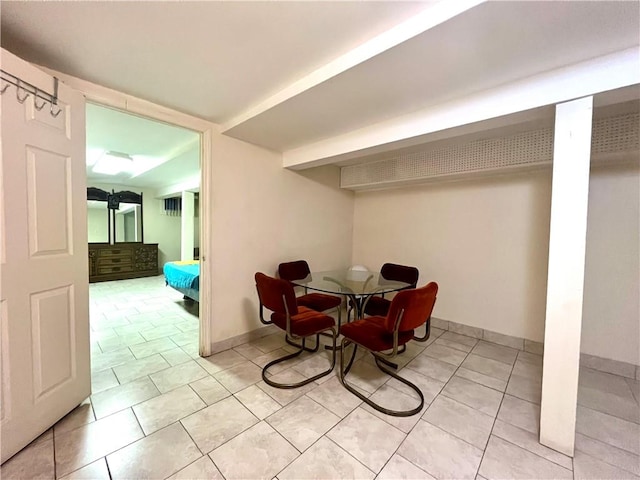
[{"x": 184, "y": 276}]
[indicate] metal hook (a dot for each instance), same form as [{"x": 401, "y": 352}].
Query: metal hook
[
  {"x": 21, "y": 100},
  {"x": 35, "y": 102},
  {"x": 54, "y": 115},
  {"x": 4, "y": 89}
]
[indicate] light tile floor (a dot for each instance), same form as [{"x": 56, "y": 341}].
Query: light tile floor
[{"x": 159, "y": 411}]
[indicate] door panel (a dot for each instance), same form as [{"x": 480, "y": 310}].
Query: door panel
[
  {"x": 44, "y": 279},
  {"x": 48, "y": 209}
]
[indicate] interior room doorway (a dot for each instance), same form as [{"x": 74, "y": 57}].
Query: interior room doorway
[{"x": 143, "y": 179}]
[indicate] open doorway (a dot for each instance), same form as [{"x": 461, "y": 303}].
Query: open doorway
[{"x": 143, "y": 179}]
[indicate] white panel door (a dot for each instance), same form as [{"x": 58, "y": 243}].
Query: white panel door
[{"x": 44, "y": 294}]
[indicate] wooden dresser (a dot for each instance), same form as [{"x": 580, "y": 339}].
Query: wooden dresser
[{"x": 122, "y": 260}]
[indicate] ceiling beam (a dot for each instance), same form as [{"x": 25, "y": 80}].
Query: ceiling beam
[
  {"x": 428, "y": 18},
  {"x": 609, "y": 72}
]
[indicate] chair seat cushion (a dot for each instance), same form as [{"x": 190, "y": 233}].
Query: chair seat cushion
[
  {"x": 319, "y": 301},
  {"x": 377, "y": 306},
  {"x": 305, "y": 322},
  {"x": 370, "y": 333}
]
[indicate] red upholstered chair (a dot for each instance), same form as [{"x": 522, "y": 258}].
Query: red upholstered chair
[
  {"x": 298, "y": 322},
  {"x": 382, "y": 337},
  {"x": 320, "y": 302},
  {"x": 378, "y": 305}
]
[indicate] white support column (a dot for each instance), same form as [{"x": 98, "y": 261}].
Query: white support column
[
  {"x": 186, "y": 239},
  {"x": 565, "y": 282}
]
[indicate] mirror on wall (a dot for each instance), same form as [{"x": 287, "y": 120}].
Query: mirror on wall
[
  {"x": 114, "y": 217},
  {"x": 98, "y": 223},
  {"x": 128, "y": 223}
]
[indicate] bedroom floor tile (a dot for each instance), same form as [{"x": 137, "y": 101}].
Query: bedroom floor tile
[{"x": 181, "y": 416}]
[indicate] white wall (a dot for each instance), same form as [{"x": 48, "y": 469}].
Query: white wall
[
  {"x": 158, "y": 228},
  {"x": 264, "y": 215},
  {"x": 611, "y": 314},
  {"x": 485, "y": 242}
]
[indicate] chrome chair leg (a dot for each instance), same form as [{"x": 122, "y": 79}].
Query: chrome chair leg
[
  {"x": 380, "y": 408},
  {"x": 270, "y": 382},
  {"x": 303, "y": 346}
]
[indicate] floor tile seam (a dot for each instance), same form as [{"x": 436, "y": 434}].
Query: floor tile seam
[
  {"x": 534, "y": 453},
  {"x": 451, "y": 346},
  {"x": 216, "y": 466},
  {"x": 376, "y": 417},
  {"x": 395, "y": 452},
  {"x": 637, "y": 422},
  {"x": 192, "y": 439},
  {"x": 453, "y": 435},
  {"x": 605, "y": 461},
  {"x": 444, "y": 361},
  {"x": 442, "y": 392},
  {"x": 287, "y": 440},
  {"x": 322, "y": 406},
  {"x": 526, "y": 449},
  {"x": 363, "y": 403},
  {"x": 520, "y": 398},
  {"x": 609, "y": 414},
  {"x": 116, "y": 450},
  {"x": 445, "y": 395},
  {"x": 523, "y": 376},
  {"x": 636, "y": 397},
  {"x": 229, "y": 439},
  {"x": 347, "y": 452},
  {"x": 495, "y": 419},
  {"x": 630, "y": 395},
  {"x": 120, "y": 382},
  {"x": 130, "y": 406},
  {"x": 427, "y": 376},
  {"x": 397, "y": 390},
  {"x": 467, "y": 367},
  {"x": 203, "y": 400},
  {"x": 495, "y": 360},
  {"x": 169, "y": 424},
  {"x": 608, "y": 444}
]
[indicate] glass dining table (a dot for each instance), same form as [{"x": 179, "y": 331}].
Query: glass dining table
[{"x": 356, "y": 285}]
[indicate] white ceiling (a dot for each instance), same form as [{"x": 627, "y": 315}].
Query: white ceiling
[
  {"x": 210, "y": 59},
  {"x": 176, "y": 148},
  {"x": 283, "y": 74}
]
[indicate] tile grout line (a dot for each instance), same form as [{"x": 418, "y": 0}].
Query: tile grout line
[
  {"x": 484, "y": 450},
  {"x": 421, "y": 416}
]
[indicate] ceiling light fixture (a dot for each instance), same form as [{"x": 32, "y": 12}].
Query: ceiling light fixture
[{"x": 112, "y": 163}]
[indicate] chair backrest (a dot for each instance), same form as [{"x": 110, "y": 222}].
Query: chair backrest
[
  {"x": 293, "y": 270},
  {"x": 416, "y": 305},
  {"x": 400, "y": 273},
  {"x": 273, "y": 292}
]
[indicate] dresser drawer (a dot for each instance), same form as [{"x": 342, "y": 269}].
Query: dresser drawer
[
  {"x": 115, "y": 261},
  {"x": 114, "y": 269},
  {"x": 114, "y": 252}
]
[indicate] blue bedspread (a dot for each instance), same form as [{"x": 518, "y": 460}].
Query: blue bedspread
[{"x": 182, "y": 276}]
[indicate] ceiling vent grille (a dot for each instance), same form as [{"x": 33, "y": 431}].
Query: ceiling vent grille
[{"x": 527, "y": 149}]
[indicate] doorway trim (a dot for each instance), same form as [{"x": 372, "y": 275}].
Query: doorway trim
[{"x": 112, "y": 98}]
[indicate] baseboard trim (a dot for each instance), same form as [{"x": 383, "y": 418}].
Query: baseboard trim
[
  {"x": 229, "y": 343},
  {"x": 601, "y": 364}
]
